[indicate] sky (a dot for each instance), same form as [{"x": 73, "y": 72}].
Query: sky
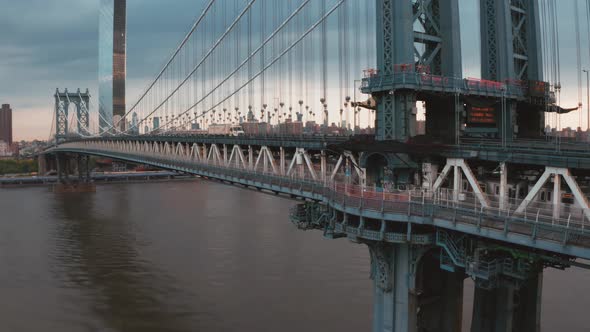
[{"x": 49, "y": 44}]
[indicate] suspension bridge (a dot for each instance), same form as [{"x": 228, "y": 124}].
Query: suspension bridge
[{"x": 479, "y": 192}]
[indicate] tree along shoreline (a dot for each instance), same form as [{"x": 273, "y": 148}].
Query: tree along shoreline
[{"x": 14, "y": 166}]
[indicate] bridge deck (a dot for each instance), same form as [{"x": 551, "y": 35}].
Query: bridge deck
[{"x": 561, "y": 237}]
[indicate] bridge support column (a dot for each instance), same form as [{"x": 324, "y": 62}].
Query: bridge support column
[
  {"x": 394, "y": 306},
  {"x": 569, "y": 180},
  {"x": 459, "y": 165},
  {"x": 225, "y": 162},
  {"x": 42, "y": 165},
  {"x": 323, "y": 165},
  {"x": 503, "y": 185},
  {"x": 65, "y": 167},
  {"x": 411, "y": 292},
  {"x": 508, "y": 308},
  {"x": 282, "y": 160},
  {"x": 556, "y": 196},
  {"x": 83, "y": 165}
]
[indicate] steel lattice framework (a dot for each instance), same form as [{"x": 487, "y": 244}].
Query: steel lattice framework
[
  {"x": 417, "y": 36},
  {"x": 428, "y": 35},
  {"x": 62, "y": 104},
  {"x": 510, "y": 34}
]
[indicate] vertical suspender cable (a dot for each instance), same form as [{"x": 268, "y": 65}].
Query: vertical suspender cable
[
  {"x": 357, "y": 63},
  {"x": 250, "y": 86},
  {"x": 237, "y": 52},
  {"x": 324, "y": 55},
  {"x": 262, "y": 60},
  {"x": 588, "y": 68},
  {"x": 341, "y": 61},
  {"x": 300, "y": 63},
  {"x": 277, "y": 71},
  {"x": 290, "y": 30},
  {"x": 346, "y": 59},
  {"x": 579, "y": 61}
]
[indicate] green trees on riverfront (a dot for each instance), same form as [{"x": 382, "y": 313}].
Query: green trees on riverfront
[{"x": 12, "y": 166}]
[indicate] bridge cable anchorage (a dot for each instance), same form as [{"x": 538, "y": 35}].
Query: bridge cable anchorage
[
  {"x": 174, "y": 54},
  {"x": 280, "y": 28},
  {"x": 229, "y": 29}
]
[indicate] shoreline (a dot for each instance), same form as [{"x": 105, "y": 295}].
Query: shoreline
[{"x": 97, "y": 179}]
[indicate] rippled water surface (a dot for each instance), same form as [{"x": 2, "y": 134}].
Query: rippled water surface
[{"x": 194, "y": 256}]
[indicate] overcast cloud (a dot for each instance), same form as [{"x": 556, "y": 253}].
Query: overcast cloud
[{"x": 45, "y": 44}]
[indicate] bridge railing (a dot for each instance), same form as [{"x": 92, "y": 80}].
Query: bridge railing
[
  {"x": 562, "y": 146},
  {"x": 537, "y": 221}
]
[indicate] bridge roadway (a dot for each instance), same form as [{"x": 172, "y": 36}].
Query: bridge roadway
[
  {"x": 422, "y": 211},
  {"x": 575, "y": 155}
]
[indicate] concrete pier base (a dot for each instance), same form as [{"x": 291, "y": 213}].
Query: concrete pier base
[
  {"x": 65, "y": 165},
  {"x": 507, "y": 308},
  {"x": 411, "y": 293},
  {"x": 441, "y": 296}
]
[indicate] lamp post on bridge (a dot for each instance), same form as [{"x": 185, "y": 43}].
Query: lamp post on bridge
[{"x": 356, "y": 108}]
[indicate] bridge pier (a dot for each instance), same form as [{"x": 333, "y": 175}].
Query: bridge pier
[
  {"x": 508, "y": 308},
  {"x": 45, "y": 164},
  {"x": 411, "y": 292},
  {"x": 65, "y": 167}
]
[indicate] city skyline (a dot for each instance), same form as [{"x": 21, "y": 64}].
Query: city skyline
[{"x": 71, "y": 61}]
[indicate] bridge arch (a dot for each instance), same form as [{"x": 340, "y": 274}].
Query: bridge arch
[{"x": 376, "y": 164}]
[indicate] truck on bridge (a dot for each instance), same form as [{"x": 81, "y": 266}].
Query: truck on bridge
[{"x": 225, "y": 129}]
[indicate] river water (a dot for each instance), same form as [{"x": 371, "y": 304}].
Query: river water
[{"x": 195, "y": 256}]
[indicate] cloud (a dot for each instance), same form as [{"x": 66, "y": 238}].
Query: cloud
[{"x": 45, "y": 44}]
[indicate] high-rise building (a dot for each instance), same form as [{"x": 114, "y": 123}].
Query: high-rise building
[
  {"x": 6, "y": 124},
  {"x": 112, "y": 61}
]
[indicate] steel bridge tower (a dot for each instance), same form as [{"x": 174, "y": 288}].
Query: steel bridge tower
[
  {"x": 511, "y": 51},
  {"x": 81, "y": 100},
  {"x": 417, "y": 41},
  {"x": 414, "y": 35}
]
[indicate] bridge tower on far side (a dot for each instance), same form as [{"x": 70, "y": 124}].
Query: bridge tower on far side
[{"x": 81, "y": 100}]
